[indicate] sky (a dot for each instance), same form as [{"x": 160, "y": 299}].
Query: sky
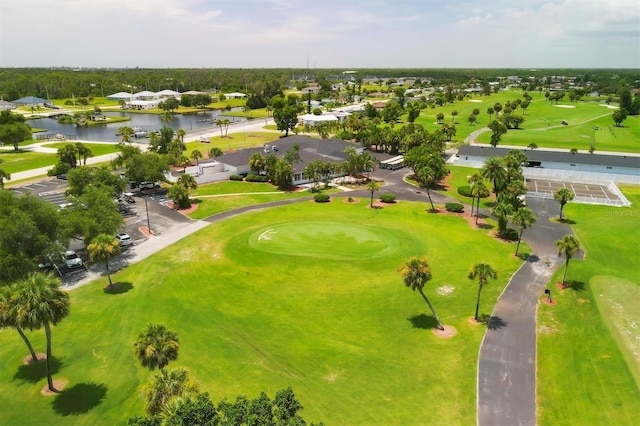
[{"x": 320, "y": 33}]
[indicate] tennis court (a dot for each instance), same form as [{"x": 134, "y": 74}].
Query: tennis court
[{"x": 592, "y": 193}]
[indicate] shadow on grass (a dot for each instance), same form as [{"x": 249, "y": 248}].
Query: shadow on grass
[
  {"x": 493, "y": 322},
  {"x": 118, "y": 288},
  {"x": 79, "y": 398},
  {"x": 567, "y": 221},
  {"x": 423, "y": 321},
  {"x": 33, "y": 373},
  {"x": 574, "y": 285}
]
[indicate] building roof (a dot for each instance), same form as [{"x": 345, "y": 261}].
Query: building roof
[
  {"x": 318, "y": 118},
  {"x": 168, "y": 92},
  {"x": 235, "y": 95},
  {"x": 555, "y": 156},
  {"x": 30, "y": 100},
  {"x": 120, "y": 95},
  {"x": 331, "y": 150},
  {"x": 144, "y": 94}
]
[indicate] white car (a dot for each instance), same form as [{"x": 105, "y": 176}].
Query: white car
[
  {"x": 124, "y": 239},
  {"x": 72, "y": 260}
]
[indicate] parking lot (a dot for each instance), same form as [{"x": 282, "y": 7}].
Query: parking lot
[{"x": 154, "y": 212}]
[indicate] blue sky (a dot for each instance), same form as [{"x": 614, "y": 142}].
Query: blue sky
[{"x": 321, "y": 33}]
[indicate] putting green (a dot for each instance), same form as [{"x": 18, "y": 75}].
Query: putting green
[{"x": 332, "y": 240}]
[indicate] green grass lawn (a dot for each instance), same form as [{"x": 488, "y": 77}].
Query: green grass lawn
[
  {"x": 355, "y": 344},
  {"x": 232, "y": 142},
  {"x": 586, "y": 359},
  {"x": 19, "y": 161},
  {"x": 459, "y": 176},
  {"x": 210, "y": 206},
  {"x": 96, "y": 148}
]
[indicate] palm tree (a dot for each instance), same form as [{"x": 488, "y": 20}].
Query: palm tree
[
  {"x": 7, "y": 317},
  {"x": 523, "y": 218},
  {"x": 83, "y": 152},
  {"x": 126, "y": 133},
  {"x": 164, "y": 386},
  {"x": 196, "y": 155},
  {"x": 156, "y": 346},
  {"x": 39, "y": 302},
  {"x": 373, "y": 187},
  {"x": 215, "y": 152},
  {"x": 483, "y": 272},
  {"x": 494, "y": 171},
  {"x": 188, "y": 182},
  {"x": 415, "y": 274},
  {"x": 480, "y": 191},
  {"x": 567, "y": 245},
  {"x": 180, "y": 134},
  {"x": 473, "y": 181},
  {"x": 563, "y": 196},
  {"x": 102, "y": 248},
  {"x": 427, "y": 176},
  {"x": 490, "y": 111},
  {"x": 257, "y": 163},
  {"x": 502, "y": 211}
]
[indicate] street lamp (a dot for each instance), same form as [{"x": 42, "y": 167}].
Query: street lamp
[{"x": 147, "y": 209}]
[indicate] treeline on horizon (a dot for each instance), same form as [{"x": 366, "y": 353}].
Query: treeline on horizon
[{"x": 58, "y": 83}]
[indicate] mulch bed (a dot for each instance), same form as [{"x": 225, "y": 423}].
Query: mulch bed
[
  {"x": 447, "y": 333},
  {"x": 57, "y": 384},
  {"x": 40, "y": 357}
]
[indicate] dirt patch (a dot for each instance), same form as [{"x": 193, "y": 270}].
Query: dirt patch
[
  {"x": 27, "y": 360},
  {"x": 58, "y": 386},
  {"x": 547, "y": 330},
  {"x": 447, "y": 333},
  {"x": 191, "y": 209},
  {"x": 546, "y": 301},
  {"x": 474, "y": 321}
]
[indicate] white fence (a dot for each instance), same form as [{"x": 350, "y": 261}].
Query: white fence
[{"x": 576, "y": 176}]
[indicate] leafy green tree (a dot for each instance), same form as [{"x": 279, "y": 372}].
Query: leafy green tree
[
  {"x": 483, "y": 272},
  {"x": 454, "y": 114},
  {"x": 502, "y": 211},
  {"x": 40, "y": 303},
  {"x": 156, "y": 346},
  {"x": 8, "y": 318},
  {"x": 257, "y": 163},
  {"x": 292, "y": 155},
  {"x": 532, "y": 146},
  {"x": 391, "y": 112},
  {"x": 416, "y": 273},
  {"x": 283, "y": 177},
  {"x": 490, "y": 112},
  {"x": 523, "y": 218},
  {"x": 101, "y": 249},
  {"x": 3, "y": 176},
  {"x": 83, "y": 153},
  {"x": 471, "y": 119},
  {"x": 372, "y": 186},
  {"x": 29, "y": 230},
  {"x": 497, "y": 130},
  {"x": 286, "y": 407},
  {"x": 569, "y": 246},
  {"x": 619, "y": 116},
  {"x": 563, "y": 196},
  {"x": 67, "y": 154},
  {"x": 194, "y": 409},
  {"x": 13, "y": 129},
  {"x": 286, "y": 118},
  {"x": 166, "y": 385},
  {"x": 313, "y": 172},
  {"x": 439, "y": 117}
]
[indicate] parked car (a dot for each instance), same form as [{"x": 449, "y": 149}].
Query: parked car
[
  {"x": 72, "y": 260},
  {"x": 124, "y": 239}
]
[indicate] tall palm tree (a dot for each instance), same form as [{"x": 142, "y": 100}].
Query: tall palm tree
[
  {"x": 483, "y": 272},
  {"x": 126, "y": 133},
  {"x": 372, "y": 186},
  {"x": 481, "y": 191},
  {"x": 563, "y": 196},
  {"x": 102, "y": 248},
  {"x": 180, "y": 134},
  {"x": 40, "y": 303},
  {"x": 415, "y": 274},
  {"x": 188, "y": 182},
  {"x": 196, "y": 155},
  {"x": 156, "y": 346},
  {"x": 569, "y": 246},
  {"x": 7, "y": 316},
  {"x": 493, "y": 170},
  {"x": 166, "y": 385},
  {"x": 523, "y": 218},
  {"x": 473, "y": 181},
  {"x": 83, "y": 152},
  {"x": 427, "y": 176}
]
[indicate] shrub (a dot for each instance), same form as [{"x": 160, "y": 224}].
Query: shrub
[
  {"x": 256, "y": 178},
  {"x": 236, "y": 177},
  {"x": 464, "y": 190},
  {"x": 387, "y": 198},
  {"x": 454, "y": 207},
  {"x": 321, "y": 198}
]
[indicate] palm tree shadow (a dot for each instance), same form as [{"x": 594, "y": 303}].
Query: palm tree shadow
[
  {"x": 79, "y": 398},
  {"x": 118, "y": 288},
  {"x": 575, "y": 285},
  {"x": 493, "y": 322},
  {"x": 33, "y": 373},
  {"x": 426, "y": 322}
]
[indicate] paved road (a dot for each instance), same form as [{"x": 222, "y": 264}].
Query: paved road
[{"x": 507, "y": 359}]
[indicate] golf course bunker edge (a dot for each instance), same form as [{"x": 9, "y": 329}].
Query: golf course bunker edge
[{"x": 331, "y": 240}]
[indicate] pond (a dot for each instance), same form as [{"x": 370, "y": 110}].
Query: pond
[{"x": 139, "y": 121}]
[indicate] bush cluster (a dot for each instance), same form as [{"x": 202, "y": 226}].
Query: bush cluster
[
  {"x": 454, "y": 207},
  {"x": 465, "y": 190},
  {"x": 256, "y": 178},
  {"x": 388, "y": 198},
  {"x": 321, "y": 198},
  {"x": 236, "y": 177}
]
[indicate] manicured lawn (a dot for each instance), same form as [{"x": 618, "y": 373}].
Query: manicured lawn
[
  {"x": 586, "y": 359},
  {"x": 19, "y": 161},
  {"x": 459, "y": 176},
  {"x": 233, "y": 187},
  {"x": 210, "y": 206},
  {"x": 96, "y": 148},
  {"x": 232, "y": 142},
  {"x": 354, "y": 343}
]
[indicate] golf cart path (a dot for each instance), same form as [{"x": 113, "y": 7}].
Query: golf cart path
[{"x": 506, "y": 393}]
